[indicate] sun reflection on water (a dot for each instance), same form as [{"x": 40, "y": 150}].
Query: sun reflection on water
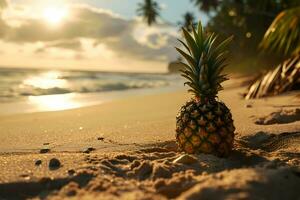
[
  {"x": 54, "y": 102},
  {"x": 50, "y": 80},
  {"x": 46, "y": 80}
]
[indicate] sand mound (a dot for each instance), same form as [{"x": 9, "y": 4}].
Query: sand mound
[
  {"x": 257, "y": 183},
  {"x": 280, "y": 117},
  {"x": 255, "y": 170}
]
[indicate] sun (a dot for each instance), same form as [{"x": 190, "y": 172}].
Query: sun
[{"x": 55, "y": 14}]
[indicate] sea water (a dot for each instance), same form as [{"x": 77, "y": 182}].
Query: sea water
[{"x": 32, "y": 90}]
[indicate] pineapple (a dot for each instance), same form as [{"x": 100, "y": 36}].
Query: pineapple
[{"x": 204, "y": 124}]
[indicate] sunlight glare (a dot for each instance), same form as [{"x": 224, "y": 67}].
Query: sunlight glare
[
  {"x": 55, "y": 14},
  {"x": 54, "y": 102},
  {"x": 46, "y": 80}
]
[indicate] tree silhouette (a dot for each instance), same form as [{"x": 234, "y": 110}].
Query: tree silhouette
[
  {"x": 207, "y": 5},
  {"x": 188, "y": 21},
  {"x": 149, "y": 10}
]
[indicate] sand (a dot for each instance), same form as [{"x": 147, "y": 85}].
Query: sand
[{"x": 125, "y": 150}]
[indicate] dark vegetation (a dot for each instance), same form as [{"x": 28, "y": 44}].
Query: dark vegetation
[
  {"x": 266, "y": 37},
  {"x": 248, "y": 21}
]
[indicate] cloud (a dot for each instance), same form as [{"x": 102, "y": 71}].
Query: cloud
[
  {"x": 103, "y": 27},
  {"x": 71, "y": 44},
  {"x": 163, "y": 6},
  {"x": 89, "y": 38},
  {"x": 85, "y": 23},
  {"x": 65, "y": 44}
]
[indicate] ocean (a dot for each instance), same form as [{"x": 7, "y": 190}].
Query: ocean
[{"x": 31, "y": 90}]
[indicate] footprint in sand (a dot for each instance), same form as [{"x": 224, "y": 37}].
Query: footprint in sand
[
  {"x": 279, "y": 117},
  {"x": 272, "y": 142}
]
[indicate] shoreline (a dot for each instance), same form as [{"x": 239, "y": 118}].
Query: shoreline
[
  {"x": 71, "y": 101},
  {"x": 151, "y": 115}
]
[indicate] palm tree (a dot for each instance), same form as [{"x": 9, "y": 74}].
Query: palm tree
[
  {"x": 149, "y": 10},
  {"x": 282, "y": 36},
  {"x": 284, "y": 33},
  {"x": 188, "y": 21},
  {"x": 207, "y": 5}
]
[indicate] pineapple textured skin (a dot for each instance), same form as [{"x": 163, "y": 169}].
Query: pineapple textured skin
[{"x": 205, "y": 127}]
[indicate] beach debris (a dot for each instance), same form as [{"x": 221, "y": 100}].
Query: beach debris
[
  {"x": 45, "y": 150},
  {"x": 54, "y": 163},
  {"x": 100, "y": 138},
  {"x": 285, "y": 77},
  {"x": 89, "y": 150},
  {"x": 186, "y": 159},
  {"x": 204, "y": 124},
  {"x": 38, "y": 162}
]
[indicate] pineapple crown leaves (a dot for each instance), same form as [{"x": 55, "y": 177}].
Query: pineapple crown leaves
[{"x": 205, "y": 62}]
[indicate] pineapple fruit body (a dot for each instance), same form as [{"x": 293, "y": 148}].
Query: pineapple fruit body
[{"x": 205, "y": 127}]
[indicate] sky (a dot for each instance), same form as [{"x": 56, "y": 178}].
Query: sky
[{"x": 89, "y": 34}]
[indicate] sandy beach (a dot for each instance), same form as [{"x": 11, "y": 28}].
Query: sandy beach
[{"x": 125, "y": 149}]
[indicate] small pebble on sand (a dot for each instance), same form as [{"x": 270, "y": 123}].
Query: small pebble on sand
[
  {"x": 71, "y": 172},
  {"x": 45, "y": 150},
  {"x": 25, "y": 176},
  {"x": 89, "y": 150},
  {"x": 186, "y": 159},
  {"x": 38, "y": 162},
  {"x": 54, "y": 164}
]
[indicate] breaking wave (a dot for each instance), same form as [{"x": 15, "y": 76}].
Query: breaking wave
[{"x": 19, "y": 83}]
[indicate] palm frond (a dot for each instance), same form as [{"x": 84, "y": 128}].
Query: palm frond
[
  {"x": 283, "y": 35},
  {"x": 283, "y": 78}
]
